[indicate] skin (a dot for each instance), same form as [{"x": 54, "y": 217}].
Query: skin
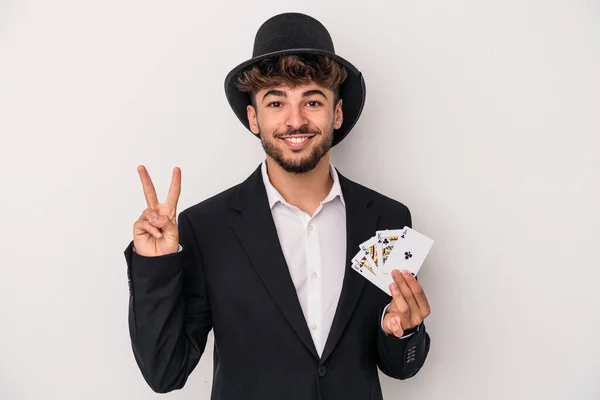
[{"x": 299, "y": 173}]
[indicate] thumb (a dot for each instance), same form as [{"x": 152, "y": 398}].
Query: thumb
[{"x": 392, "y": 324}]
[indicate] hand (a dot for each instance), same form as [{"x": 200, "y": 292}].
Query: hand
[
  {"x": 155, "y": 233},
  {"x": 409, "y": 306}
]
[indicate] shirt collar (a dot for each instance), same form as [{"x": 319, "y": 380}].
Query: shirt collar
[{"x": 274, "y": 196}]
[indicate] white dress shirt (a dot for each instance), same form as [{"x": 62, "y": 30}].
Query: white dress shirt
[{"x": 314, "y": 248}]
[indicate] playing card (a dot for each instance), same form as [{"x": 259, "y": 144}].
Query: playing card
[
  {"x": 360, "y": 263},
  {"x": 386, "y": 241},
  {"x": 370, "y": 251},
  {"x": 409, "y": 252},
  {"x": 393, "y": 249}
]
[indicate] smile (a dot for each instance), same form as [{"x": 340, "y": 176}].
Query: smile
[{"x": 297, "y": 141}]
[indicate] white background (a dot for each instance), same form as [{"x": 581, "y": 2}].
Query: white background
[{"x": 482, "y": 116}]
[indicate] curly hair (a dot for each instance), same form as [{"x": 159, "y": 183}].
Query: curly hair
[{"x": 292, "y": 71}]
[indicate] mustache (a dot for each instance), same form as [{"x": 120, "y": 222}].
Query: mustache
[{"x": 303, "y": 130}]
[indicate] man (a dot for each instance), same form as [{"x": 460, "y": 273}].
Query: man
[{"x": 266, "y": 263}]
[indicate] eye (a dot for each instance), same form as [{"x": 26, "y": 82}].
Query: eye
[
  {"x": 314, "y": 103},
  {"x": 274, "y": 104}
]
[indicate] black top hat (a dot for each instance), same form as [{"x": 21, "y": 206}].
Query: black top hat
[{"x": 295, "y": 33}]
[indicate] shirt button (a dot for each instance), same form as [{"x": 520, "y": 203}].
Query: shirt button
[
  {"x": 314, "y": 327},
  {"x": 314, "y": 275},
  {"x": 322, "y": 371},
  {"x": 310, "y": 227}
]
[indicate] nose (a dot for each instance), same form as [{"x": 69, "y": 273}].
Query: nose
[{"x": 296, "y": 117}]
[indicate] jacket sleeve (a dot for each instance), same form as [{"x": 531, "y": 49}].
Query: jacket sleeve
[
  {"x": 169, "y": 313},
  {"x": 402, "y": 358}
]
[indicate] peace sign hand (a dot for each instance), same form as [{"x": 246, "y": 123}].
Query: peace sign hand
[{"x": 155, "y": 233}]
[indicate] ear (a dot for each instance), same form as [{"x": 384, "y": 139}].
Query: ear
[
  {"x": 251, "y": 112},
  {"x": 338, "y": 115}
]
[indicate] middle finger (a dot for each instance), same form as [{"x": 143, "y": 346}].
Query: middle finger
[
  {"x": 406, "y": 293},
  {"x": 418, "y": 294},
  {"x": 399, "y": 304}
]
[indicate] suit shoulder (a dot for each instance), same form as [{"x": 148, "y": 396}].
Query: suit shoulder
[
  {"x": 381, "y": 203},
  {"x": 216, "y": 204}
]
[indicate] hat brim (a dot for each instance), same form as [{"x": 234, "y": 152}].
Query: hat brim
[{"x": 352, "y": 90}]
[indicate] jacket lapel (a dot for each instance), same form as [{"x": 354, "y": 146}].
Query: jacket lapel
[
  {"x": 361, "y": 223},
  {"x": 256, "y": 230}
]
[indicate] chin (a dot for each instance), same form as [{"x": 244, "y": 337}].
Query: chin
[
  {"x": 297, "y": 161},
  {"x": 300, "y": 165}
]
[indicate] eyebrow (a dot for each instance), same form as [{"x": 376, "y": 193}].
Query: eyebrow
[{"x": 281, "y": 93}]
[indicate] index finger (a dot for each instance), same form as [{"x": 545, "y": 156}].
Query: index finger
[
  {"x": 148, "y": 186},
  {"x": 175, "y": 188},
  {"x": 418, "y": 292}
]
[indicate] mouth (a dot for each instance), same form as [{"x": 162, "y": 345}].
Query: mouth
[{"x": 297, "y": 141}]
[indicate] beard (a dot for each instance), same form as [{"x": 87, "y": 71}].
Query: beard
[{"x": 305, "y": 164}]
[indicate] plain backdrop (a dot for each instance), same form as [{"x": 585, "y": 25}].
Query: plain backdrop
[{"x": 483, "y": 117}]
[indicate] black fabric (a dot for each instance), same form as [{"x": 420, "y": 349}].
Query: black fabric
[
  {"x": 232, "y": 277},
  {"x": 295, "y": 33}
]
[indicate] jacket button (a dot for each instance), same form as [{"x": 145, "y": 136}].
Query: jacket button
[{"x": 322, "y": 371}]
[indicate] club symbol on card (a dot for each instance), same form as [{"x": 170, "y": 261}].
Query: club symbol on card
[
  {"x": 385, "y": 241},
  {"x": 407, "y": 255}
]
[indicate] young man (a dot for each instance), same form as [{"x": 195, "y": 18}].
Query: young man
[{"x": 266, "y": 263}]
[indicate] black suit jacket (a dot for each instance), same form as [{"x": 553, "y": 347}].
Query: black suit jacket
[{"x": 231, "y": 276}]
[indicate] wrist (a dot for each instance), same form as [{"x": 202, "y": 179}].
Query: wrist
[{"x": 411, "y": 330}]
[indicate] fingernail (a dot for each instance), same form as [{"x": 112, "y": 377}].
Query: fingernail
[
  {"x": 393, "y": 286},
  {"x": 394, "y": 321},
  {"x": 405, "y": 272}
]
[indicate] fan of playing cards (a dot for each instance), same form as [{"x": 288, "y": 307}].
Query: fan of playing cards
[{"x": 389, "y": 250}]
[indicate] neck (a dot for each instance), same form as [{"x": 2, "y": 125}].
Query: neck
[{"x": 305, "y": 191}]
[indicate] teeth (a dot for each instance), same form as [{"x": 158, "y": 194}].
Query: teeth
[{"x": 296, "y": 139}]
